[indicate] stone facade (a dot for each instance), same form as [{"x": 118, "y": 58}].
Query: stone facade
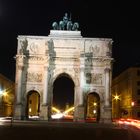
[
  {"x": 127, "y": 87},
  {"x": 40, "y": 60}
]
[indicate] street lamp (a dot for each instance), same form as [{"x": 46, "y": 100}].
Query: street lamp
[
  {"x": 116, "y": 97},
  {"x": 116, "y": 105}
]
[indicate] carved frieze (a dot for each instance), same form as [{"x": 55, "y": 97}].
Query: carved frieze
[
  {"x": 97, "y": 78},
  {"x": 33, "y": 48},
  {"x": 88, "y": 62},
  {"x": 36, "y": 58},
  {"x": 34, "y": 77},
  {"x": 92, "y": 49},
  {"x": 95, "y": 48},
  {"x": 88, "y": 78},
  {"x": 97, "y": 61},
  {"x": 94, "y": 78}
]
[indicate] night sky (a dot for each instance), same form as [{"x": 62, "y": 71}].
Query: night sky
[{"x": 116, "y": 20}]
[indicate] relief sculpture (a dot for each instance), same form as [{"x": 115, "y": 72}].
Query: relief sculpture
[
  {"x": 34, "y": 48},
  {"x": 34, "y": 77},
  {"x": 23, "y": 46},
  {"x": 92, "y": 50},
  {"x": 94, "y": 78},
  {"x": 88, "y": 78},
  {"x": 95, "y": 49},
  {"x": 97, "y": 78}
]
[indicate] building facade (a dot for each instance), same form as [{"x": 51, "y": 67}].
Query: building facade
[
  {"x": 7, "y": 91},
  {"x": 41, "y": 60},
  {"x": 126, "y": 94}
]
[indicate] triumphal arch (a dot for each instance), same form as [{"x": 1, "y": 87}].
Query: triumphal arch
[{"x": 41, "y": 60}]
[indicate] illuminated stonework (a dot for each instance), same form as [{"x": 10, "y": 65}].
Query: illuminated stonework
[{"x": 87, "y": 61}]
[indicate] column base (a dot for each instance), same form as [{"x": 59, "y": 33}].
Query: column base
[
  {"x": 18, "y": 112},
  {"x": 107, "y": 117},
  {"x": 44, "y": 112},
  {"x": 79, "y": 114}
]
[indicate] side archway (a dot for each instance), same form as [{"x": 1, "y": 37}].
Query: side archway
[
  {"x": 93, "y": 107},
  {"x": 33, "y": 104}
]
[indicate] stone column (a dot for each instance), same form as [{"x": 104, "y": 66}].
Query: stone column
[
  {"x": 107, "y": 106},
  {"x": 19, "y": 84},
  {"x": 44, "y": 108},
  {"x": 19, "y": 113},
  {"x": 82, "y": 79},
  {"x": 82, "y": 82},
  {"x": 107, "y": 87},
  {"x": 79, "y": 108},
  {"x": 45, "y": 93}
]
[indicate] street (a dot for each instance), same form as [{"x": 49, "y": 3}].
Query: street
[
  {"x": 133, "y": 132},
  {"x": 34, "y": 130}
]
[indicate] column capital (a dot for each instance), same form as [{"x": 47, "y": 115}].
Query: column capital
[
  {"x": 107, "y": 69},
  {"x": 45, "y": 68},
  {"x": 20, "y": 67},
  {"x": 20, "y": 56}
]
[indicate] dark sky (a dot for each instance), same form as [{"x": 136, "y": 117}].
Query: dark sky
[{"x": 116, "y": 20}]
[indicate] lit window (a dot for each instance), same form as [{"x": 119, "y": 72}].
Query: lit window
[{"x": 132, "y": 103}]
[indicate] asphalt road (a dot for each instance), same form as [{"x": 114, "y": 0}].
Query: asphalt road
[
  {"x": 34, "y": 130},
  {"x": 133, "y": 132}
]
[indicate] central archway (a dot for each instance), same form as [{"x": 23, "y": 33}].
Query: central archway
[{"x": 63, "y": 93}]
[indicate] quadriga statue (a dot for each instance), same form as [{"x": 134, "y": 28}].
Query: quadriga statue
[{"x": 65, "y": 24}]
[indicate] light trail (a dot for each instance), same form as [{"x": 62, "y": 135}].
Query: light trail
[
  {"x": 55, "y": 109},
  {"x": 60, "y": 114},
  {"x": 132, "y": 122},
  {"x": 68, "y": 110}
]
